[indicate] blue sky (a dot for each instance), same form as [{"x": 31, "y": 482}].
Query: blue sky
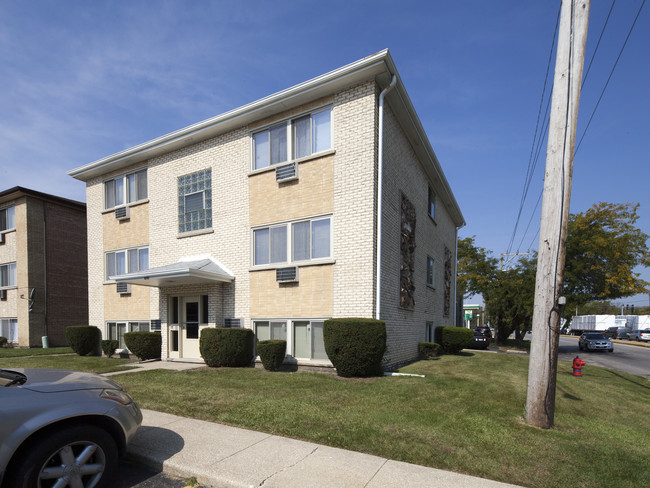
[{"x": 82, "y": 80}]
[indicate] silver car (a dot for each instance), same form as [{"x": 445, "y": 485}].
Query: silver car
[
  {"x": 595, "y": 341},
  {"x": 62, "y": 428}
]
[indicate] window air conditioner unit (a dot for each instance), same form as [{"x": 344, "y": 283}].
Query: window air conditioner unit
[
  {"x": 232, "y": 323},
  {"x": 286, "y": 172},
  {"x": 123, "y": 288},
  {"x": 123, "y": 213},
  {"x": 3, "y": 295},
  {"x": 287, "y": 275}
]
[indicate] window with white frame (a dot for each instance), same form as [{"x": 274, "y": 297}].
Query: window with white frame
[
  {"x": 302, "y": 240},
  {"x": 293, "y": 139},
  {"x": 432, "y": 204},
  {"x": 308, "y": 339},
  {"x": 126, "y": 261},
  {"x": 430, "y": 274},
  {"x": 7, "y": 218},
  {"x": 305, "y": 336},
  {"x": 124, "y": 189},
  {"x": 117, "y": 329},
  {"x": 8, "y": 275},
  {"x": 195, "y": 201},
  {"x": 9, "y": 329}
]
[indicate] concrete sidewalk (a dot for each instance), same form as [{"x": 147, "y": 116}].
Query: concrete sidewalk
[{"x": 223, "y": 456}]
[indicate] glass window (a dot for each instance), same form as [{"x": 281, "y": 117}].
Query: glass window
[
  {"x": 128, "y": 188},
  {"x": 8, "y": 275},
  {"x": 301, "y": 139},
  {"x": 429, "y": 271},
  {"x": 432, "y": 204},
  {"x": 309, "y": 134},
  {"x": 320, "y": 239},
  {"x": 126, "y": 261},
  {"x": 322, "y": 131},
  {"x": 301, "y": 232},
  {"x": 308, "y": 340},
  {"x": 261, "y": 246},
  {"x": 261, "y": 140},
  {"x": 266, "y": 330},
  {"x": 7, "y": 218},
  {"x": 9, "y": 329},
  {"x": 309, "y": 240},
  {"x": 195, "y": 201}
]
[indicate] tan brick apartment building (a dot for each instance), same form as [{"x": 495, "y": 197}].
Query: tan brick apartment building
[
  {"x": 266, "y": 217},
  {"x": 43, "y": 266}
]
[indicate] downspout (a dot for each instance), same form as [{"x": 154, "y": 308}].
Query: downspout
[{"x": 380, "y": 178}]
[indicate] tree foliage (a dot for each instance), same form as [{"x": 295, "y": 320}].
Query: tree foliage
[{"x": 603, "y": 248}]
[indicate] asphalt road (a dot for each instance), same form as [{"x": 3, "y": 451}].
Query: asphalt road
[{"x": 626, "y": 358}]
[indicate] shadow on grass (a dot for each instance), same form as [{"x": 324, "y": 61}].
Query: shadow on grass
[
  {"x": 636, "y": 382},
  {"x": 568, "y": 396}
]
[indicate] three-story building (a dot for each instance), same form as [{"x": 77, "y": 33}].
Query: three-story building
[{"x": 323, "y": 200}]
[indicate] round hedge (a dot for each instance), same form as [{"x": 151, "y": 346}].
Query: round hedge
[
  {"x": 109, "y": 346},
  {"x": 83, "y": 339},
  {"x": 222, "y": 346},
  {"x": 272, "y": 353},
  {"x": 455, "y": 339},
  {"x": 356, "y": 346},
  {"x": 145, "y": 345}
]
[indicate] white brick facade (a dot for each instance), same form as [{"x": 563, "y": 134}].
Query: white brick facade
[{"x": 346, "y": 285}]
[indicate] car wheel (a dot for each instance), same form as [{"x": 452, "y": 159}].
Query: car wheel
[{"x": 82, "y": 456}]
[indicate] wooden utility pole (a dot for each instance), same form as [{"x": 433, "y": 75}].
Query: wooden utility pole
[{"x": 542, "y": 371}]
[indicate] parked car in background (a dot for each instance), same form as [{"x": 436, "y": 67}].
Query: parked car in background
[
  {"x": 595, "y": 341},
  {"x": 618, "y": 332},
  {"x": 484, "y": 330},
  {"x": 480, "y": 340},
  {"x": 62, "y": 428},
  {"x": 639, "y": 335}
]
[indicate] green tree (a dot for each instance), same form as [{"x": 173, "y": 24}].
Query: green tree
[{"x": 603, "y": 248}]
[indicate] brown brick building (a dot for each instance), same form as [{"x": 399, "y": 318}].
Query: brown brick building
[{"x": 43, "y": 266}]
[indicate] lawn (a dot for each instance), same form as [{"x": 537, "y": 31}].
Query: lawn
[
  {"x": 11, "y": 352},
  {"x": 465, "y": 416},
  {"x": 60, "y": 358}
]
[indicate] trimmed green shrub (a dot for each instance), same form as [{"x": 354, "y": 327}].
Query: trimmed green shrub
[
  {"x": 3, "y": 341},
  {"x": 428, "y": 350},
  {"x": 455, "y": 339},
  {"x": 355, "y": 346},
  {"x": 145, "y": 345},
  {"x": 231, "y": 347},
  {"x": 272, "y": 353},
  {"x": 83, "y": 339},
  {"x": 109, "y": 346}
]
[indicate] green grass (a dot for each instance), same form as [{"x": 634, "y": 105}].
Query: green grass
[
  {"x": 465, "y": 416},
  {"x": 10, "y": 352},
  {"x": 66, "y": 361}
]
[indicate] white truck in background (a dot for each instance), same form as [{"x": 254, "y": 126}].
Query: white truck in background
[{"x": 600, "y": 323}]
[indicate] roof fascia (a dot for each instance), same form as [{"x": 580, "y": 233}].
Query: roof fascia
[{"x": 366, "y": 68}]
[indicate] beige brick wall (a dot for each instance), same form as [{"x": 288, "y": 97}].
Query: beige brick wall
[
  {"x": 404, "y": 174},
  {"x": 311, "y": 194},
  {"x": 95, "y": 222},
  {"x": 354, "y": 126},
  {"x": 311, "y": 297}
]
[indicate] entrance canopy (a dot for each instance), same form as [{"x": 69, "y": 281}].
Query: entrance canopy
[{"x": 187, "y": 271}]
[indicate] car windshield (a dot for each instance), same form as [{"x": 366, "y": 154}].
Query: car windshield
[
  {"x": 11, "y": 378},
  {"x": 595, "y": 336}
]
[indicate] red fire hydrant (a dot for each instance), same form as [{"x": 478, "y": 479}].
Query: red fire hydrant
[{"x": 577, "y": 366}]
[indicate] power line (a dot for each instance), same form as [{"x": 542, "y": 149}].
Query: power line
[
  {"x": 610, "y": 77},
  {"x": 529, "y": 171}
]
